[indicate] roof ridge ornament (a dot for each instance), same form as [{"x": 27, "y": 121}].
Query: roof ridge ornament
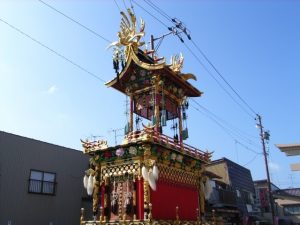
[
  {"x": 128, "y": 36},
  {"x": 176, "y": 66}
]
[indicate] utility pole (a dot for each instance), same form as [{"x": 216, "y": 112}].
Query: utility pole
[{"x": 264, "y": 135}]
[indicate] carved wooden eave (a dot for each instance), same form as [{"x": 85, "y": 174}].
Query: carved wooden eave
[{"x": 155, "y": 68}]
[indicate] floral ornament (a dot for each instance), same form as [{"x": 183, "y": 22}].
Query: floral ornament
[
  {"x": 165, "y": 155},
  {"x": 173, "y": 156},
  {"x": 179, "y": 158},
  {"x": 120, "y": 152},
  {"x": 132, "y": 150},
  {"x": 132, "y": 78},
  {"x": 107, "y": 154},
  {"x": 193, "y": 163},
  {"x": 187, "y": 161}
]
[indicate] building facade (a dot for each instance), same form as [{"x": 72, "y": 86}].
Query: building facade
[
  {"x": 232, "y": 194},
  {"x": 40, "y": 183}
]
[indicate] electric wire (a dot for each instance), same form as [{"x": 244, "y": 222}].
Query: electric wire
[
  {"x": 117, "y": 5},
  {"x": 124, "y": 4},
  {"x": 75, "y": 21},
  {"x": 52, "y": 50},
  {"x": 150, "y": 14},
  {"x": 228, "y": 132},
  {"x": 235, "y": 129},
  {"x": 164, "y": 14},
  {"x": 159, "y": 10},
  {"x": 223, "y": 78},
  {"x": 214, "y": 77},
  {"x": 251, "y": 160}
]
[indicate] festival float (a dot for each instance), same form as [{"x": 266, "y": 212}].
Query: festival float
[{"x": 150, "y": 178}]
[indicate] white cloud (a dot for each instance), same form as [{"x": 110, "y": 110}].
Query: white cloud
[
  {"x": 51, "y": 90},
  {"x": 274, "y": 167}
]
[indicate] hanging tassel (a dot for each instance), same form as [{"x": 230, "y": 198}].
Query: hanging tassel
[
  {"x": 163, "y": 118},
  {"x": 153, "y": 120},
  {"x": 152, "y": 181},
  {"x": 155, "y": 172},
  {"x": 90, "y": 186},
  {"x": 85, "y": 181},
  {"x": 145, "y": 173},
  {"x": 126, "y": 129},
  {"x": 185, "y": 134},
  {"x": 128, "y": 199},
  {"x": 114, "y": 201}
]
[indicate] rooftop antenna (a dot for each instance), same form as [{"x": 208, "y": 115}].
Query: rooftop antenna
[{"x": 115, "y": 133}]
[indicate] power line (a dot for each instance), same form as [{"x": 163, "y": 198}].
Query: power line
[
  {"x": 150, "y": 14},
  {"x": 117, "y": 6},
  {"x": 159, "y": 10},
  {"x": 183, "y": 28},
  {"x": 235, "y": 129},
  {"x": 218, "y": 82},
  {"x": 251, "y": 160},
  {"x": 222, "y": 77},
  {"x": 52, "y": 50},
  {"x": 75, "y": 21},
  {"x": 226, "y": 130}
]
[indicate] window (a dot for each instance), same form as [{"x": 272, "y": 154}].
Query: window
[
  {"x": 290, "y": 210},
  {"x": 42, "y": 182}
]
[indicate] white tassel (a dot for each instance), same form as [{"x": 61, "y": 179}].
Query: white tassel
[
  {"x": 90, "y": 186},
  {"x": 155, "y": 172},
  {"x": 94, "y": 180},
  {"x": 145, "y": 173},
  {"x": 152, "y": 181},
  {"x": 85, "y": 181}
]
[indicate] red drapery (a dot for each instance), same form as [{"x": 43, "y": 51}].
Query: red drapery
[
  {"x": 167, "y": 196},
  {"x": 140, "y": 199}
]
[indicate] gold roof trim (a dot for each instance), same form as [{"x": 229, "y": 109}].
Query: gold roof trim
[{"x": 133, "y": 57}]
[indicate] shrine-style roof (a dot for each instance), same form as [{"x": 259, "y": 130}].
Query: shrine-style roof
[{"x": 140, "y": 65}]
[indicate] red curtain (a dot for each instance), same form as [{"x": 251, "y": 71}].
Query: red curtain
[
  {"x": 140, "y": 199},
  {"x": 167, "y": 196}
]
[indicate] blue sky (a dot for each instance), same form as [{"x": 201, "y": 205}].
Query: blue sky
[{"x": 254, "y": 44}]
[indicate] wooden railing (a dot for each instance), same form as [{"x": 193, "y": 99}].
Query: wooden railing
[{"x": 157, "y": 137}]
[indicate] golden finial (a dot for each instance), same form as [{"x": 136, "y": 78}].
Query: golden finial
[{"x": 128, "y": 36}]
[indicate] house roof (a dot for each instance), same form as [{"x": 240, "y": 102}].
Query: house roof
[
  {"x": 289, "y": 149},
  {"x": 287, "y": 193}
]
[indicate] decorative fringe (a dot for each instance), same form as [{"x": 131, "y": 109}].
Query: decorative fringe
[
  {"x": 152, "y": 181},
  {"x": 145, "y": 173},
  {"x": 155, "y": 172},
  {"x": 90, "y": 185},
  {"x": 85, "y": 181}
]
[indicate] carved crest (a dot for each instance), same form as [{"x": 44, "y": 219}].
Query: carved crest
[
  {"x": 128, "y": 36},
  {"x": 177, "y": 63}
]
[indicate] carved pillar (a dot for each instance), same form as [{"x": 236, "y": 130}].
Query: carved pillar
[
  {"x": 96, "y": 191},
  {"x": 134, "y": 198},
  {"x": 131, "y": 112},
  {"x": 106, "y": 198},
  {"x": 148, "y": 164},
  {"x": 180, "y": 123},
  {"x": 146, "y": 198},
  {"x": 155, "y": 83}
]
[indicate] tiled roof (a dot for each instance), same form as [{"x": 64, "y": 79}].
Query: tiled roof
[{"x": 290, "y": 192}]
